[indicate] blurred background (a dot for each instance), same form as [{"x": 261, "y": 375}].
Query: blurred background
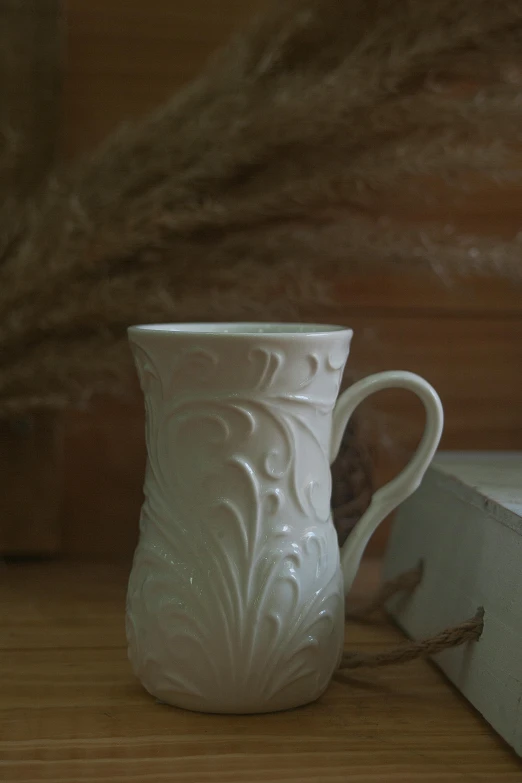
[{"x": 71, "y": 481}]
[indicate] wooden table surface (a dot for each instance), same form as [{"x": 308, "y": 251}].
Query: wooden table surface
[{"x": 71, "y": 710}]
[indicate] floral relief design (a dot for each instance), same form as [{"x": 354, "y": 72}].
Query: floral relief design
[{"x": 235, "y": 601}]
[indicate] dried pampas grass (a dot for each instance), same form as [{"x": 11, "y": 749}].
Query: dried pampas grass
[{"x": 253, "y": 187}]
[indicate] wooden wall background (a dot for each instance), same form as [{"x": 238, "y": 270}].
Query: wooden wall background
[{"x": 126, "y": 56}]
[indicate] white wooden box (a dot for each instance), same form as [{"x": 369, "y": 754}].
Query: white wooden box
[{"x": 465, "y": 524}]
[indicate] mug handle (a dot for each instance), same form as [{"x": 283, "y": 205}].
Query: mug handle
[{"x": 387, "y": 498}]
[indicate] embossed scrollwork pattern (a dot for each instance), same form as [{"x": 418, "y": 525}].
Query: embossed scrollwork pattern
[{"x": 235, "y": 600}]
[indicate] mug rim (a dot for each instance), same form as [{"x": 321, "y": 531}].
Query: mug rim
[{"x": 240, "y": 329}]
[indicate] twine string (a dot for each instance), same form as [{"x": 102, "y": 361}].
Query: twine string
[{"x": 469, "y": 630}]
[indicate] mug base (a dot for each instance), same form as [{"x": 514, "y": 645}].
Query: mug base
[{"x": 205, "y": 707}]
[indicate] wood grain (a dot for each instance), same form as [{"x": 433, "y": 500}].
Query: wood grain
[
  {"x": 423, "y": 293},
  {"x": 31, "y": 71},
  {"x": 71, "y": 710},
  {"x": 31, "y": 75},
  {"x": 126, "y": 57},
  {"x": 31, "y": 471}
]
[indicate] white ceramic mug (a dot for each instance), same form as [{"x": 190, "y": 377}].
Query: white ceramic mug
[{"x": 236, "y": 597}]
